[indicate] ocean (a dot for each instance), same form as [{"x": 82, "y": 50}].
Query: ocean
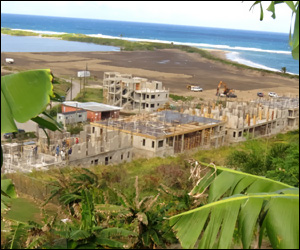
[{"x": 266, "y": 50}]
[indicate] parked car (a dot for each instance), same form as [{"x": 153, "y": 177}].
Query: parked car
[
  {"x": 273, "y": 94},
  {"x": 13, "y": 134},
  {"x": 196, "y": 89},
  {"x": 260, "y": 94}
]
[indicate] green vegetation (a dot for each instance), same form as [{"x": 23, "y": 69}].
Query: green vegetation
[
  {"x": 75, "y": 129},
  {"x": 181, "y": 98},
  {"x": 90, "y": 95},
  {"x": 11, "y": 32},
  {"x": 60, "y": 86},
  {"x": 55, "y": 110},
  {"x": 293, "y": 36},
  {"x": 276, "y": 158},
  {"x": 237, "y": 200}
]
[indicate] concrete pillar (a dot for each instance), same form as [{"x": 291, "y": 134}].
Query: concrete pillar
[
  {"x": 260, "y": 116},
  {"x": 202, "y": 138}
]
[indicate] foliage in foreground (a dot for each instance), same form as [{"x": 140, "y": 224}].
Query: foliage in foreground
[{"x": 255, "y": 204}]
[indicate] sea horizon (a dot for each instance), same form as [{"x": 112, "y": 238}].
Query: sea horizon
[{"x": 265, "y": 50}]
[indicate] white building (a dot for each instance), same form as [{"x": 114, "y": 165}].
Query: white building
[
  {"x": 72, "y": 117},
  {"x": 134, "y": 93}
]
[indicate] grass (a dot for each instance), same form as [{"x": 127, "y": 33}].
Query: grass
[
  {"x": 61, "y": 86},
  {"x": 181, "y": 98},
  {"x": 8, "y": 31},
  {"x": 90, "y": 95}
]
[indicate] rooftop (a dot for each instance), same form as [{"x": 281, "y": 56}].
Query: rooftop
[
  {"x": 161, "y": 124},
  {"x": 92, "y": 106}
]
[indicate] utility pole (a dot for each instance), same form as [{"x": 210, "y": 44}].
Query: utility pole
[{"x": 71, "y": 89}]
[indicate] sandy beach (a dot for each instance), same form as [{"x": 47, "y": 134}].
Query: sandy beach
[{"x": 174, "y": 68}]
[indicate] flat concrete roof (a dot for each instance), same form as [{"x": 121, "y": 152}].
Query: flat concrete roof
[
  {"x": 164, "y": 124},
  {"x": 92, "y": 106}
]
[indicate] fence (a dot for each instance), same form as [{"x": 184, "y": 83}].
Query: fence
[{"x": 33, "y": 187}]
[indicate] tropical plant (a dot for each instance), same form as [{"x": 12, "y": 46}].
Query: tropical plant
[
  {"x": 252, "y": 203},
  {"x": 84, "y": 227},
  {"x": 278, "y": 161},
  {"x": 293, "y": 38},
  {"x": 283, "y": 69},
  {"x": 145, "y": 216}
]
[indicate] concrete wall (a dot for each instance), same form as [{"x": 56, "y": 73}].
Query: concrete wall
[{"x": 147, "y": 147}]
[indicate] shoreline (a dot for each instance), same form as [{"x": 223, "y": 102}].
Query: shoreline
[
  {"x": 221, "y": 54},
  {"x": 179, "y": 69}
]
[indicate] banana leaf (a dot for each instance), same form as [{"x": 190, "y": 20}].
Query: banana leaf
[
  {"x": 24, "y": 96},
  {"x": 215, "y": 222},
  {"x": 227, "y": 182}
]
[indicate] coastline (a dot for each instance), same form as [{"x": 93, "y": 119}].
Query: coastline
[
  {"x": 228, "y": 56},
  {"x": 179, "y": 69}
]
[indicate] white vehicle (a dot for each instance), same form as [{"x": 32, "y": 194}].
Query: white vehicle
[
  {"x": 196, "y": 89},
  {"x": 9, "y": 60},
  {"x": 273, "y": 94}
]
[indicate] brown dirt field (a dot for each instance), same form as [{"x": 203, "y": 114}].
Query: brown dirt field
[{"x": 174, "y": 68}]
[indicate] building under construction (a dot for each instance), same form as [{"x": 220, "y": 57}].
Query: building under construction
[
  {"x": 133, "y": 93},
  {"x": 253, "y": 119},
  {"x": 160, "y": 134},
  {"x": 167, "y": 132},
  {"x": 90, "y": 147}
]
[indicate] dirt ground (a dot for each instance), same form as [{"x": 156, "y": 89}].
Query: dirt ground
[{"x": 174, "y": 68}]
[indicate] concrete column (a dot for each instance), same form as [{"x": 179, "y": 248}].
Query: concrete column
[{"x": 202, "y": 138}]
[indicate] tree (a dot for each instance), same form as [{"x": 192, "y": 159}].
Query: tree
[
  {"x": 283, "y": 69},
  {"x": 254, "y": 204},
  {"x": 293, "y": 37}
]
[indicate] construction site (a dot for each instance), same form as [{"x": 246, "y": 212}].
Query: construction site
[{"x": 117, "y": 140}]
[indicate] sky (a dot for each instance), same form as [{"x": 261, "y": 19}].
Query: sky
[{"x": 219, "y": 14}]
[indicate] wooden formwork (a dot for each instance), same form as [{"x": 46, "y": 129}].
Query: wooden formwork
[{"x": 192, "y": 140}]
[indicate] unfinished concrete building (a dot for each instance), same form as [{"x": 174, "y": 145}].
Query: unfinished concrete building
[
  {"x": 167, "y": 132},
  {"x": 158, "y": 134},
  {"x": 92, "y": 146},
  {"x": 253, "y": 119},
  {"x": 134, "y": 93},
  {"x": 261, "y": 118}
]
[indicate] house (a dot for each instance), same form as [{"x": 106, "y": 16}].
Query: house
[
  {"x": 72, "y": 117},
  {"x": 95, "y": 111}
]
